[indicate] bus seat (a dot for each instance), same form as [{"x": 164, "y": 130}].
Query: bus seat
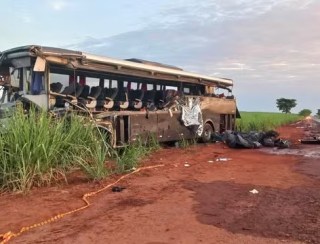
[
  {"x": 169, "y": 94},
  {"x": 92, "y": 98},
  {"x": 100, "y": 98},
  {"x": 73, "y": 97},
  {"x": 85, "y": 92},
  {"x": 170, "y": 97},
  {"x": 135, "y": 98},
  {"x": 149, "y": 100},
  {"x": 159, "y": 99},
  {"x": 122, "y": 99},
  {"x": 110, "y": 95},
  {"x": 82, "y": 99},
  {"x": 68, "y": 90},
  {"x": 62, "y": 96},
  {"x": 56, "y": 87}
]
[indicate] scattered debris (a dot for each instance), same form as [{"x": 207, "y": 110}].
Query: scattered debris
[
  {"x": 117, "y": 188},
  {"x": 223, "y": 159},
  {"x": 254, "y": 191},
  {"x": 312, "y": 140},
  {"x": 186, "y": 164}
]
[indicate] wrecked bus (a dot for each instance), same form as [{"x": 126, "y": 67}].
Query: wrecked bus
[{"x": 128, "y": 99}]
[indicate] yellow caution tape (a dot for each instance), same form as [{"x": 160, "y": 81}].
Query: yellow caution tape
[{"x": 4, "y": 238}]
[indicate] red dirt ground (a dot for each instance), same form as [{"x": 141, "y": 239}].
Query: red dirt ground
[{"x": 207, "y": 202}]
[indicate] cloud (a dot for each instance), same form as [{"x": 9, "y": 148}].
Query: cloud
[
  {"x": 281, "y": 64},
  {"x": 263, "y": 45},
  {"x": 205, "y": 12},
  {"x": 58, "y": 5}
]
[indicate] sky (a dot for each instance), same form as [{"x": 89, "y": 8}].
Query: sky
[{"x": 270, "y": 48}]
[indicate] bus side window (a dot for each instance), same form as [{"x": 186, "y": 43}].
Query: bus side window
[
  {"x": 107, "y": 83},
  {"x": 90, "y": 81},
  {"x": 114, "y": 84},
  {"x": 186, "y": 90},
  {"x": 172, "y": 88}
]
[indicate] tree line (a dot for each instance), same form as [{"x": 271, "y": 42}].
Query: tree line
[{"x": 285, "y": 105}]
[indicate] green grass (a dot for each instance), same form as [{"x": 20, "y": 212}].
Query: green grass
[
  {"x": 128, "y": 157},
  {"x": 184, "y": 143},
  {"x": 264, "y": 121},
  {"x": 38, "y": 149}
]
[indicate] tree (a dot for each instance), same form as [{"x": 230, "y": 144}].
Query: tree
[
  {"x": 305, "y": 112},
  {"x": 285, "y": 105}
]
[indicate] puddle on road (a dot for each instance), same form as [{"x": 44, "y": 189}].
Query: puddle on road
[
  {"x": 310, "y": 158},
  {"x": 309, "y": 151}
]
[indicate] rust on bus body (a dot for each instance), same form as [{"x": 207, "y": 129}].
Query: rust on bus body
[{"x": 218, "y": 105}]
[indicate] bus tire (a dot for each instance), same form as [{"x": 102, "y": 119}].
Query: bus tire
[{"x": 207, "y": 133}]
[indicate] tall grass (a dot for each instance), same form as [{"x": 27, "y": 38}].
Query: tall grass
[
  {"x": 263, "y": 121},
  {"x": 128, "y": 157},
  {"x": 37, "y": 149}
]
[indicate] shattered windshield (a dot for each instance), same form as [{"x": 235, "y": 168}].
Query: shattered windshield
[
  {"x": 13, "y": 83},
  {"x": 7, "y": 95}
]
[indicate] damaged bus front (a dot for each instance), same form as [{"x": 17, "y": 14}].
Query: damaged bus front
[
  {"x": 20, "y": 80},
  {"x": 24, "y": 74}
]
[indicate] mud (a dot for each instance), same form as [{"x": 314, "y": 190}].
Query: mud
[
  {"x": 274, "y": 213},
  {"x": 207, "y": 202}
]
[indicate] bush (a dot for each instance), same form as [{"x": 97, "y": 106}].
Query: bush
[
  {"x": 305, "y": 112},
  {"x": 37, "y": 149}
]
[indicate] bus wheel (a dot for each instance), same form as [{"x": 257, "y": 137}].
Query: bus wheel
[{"x": 207, "y": 133}]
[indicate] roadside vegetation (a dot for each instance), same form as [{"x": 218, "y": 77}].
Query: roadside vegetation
[
  {"x": 285, "y": 105},
  {"x": 37, "y": 149},
  {"x": 128, "y": 157},
  {"x": 263, "y": 121},
  {"x": 305, "y": 112}
]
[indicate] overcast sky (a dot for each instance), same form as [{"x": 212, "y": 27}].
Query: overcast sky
[{"x": 270, "y": 48}]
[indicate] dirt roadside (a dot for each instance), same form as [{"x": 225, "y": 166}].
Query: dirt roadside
[{"x": 207, "y": 202}]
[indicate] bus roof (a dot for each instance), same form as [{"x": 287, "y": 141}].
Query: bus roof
[{"x": 132, "y": 67}]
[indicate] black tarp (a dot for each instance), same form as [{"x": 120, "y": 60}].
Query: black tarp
[{"x": 253, "y": 139}]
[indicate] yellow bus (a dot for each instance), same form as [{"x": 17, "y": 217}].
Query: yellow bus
[{"x": 129, "y": 99}]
